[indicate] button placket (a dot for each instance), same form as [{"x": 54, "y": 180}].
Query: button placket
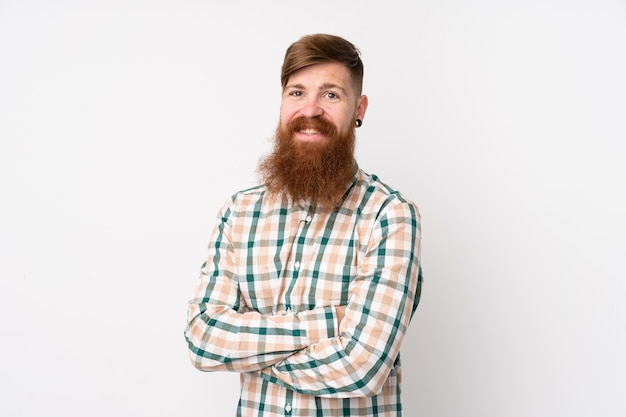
[
  {"x": 296, "y": 254},
  {"x": 297, "y": 264}
]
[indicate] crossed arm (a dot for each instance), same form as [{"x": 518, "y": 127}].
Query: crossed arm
[{"x": 333, "y": 351}]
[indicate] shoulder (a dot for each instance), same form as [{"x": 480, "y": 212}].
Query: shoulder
[
  {"x": 244, "y": 197},
  {"x": 249, "y": 202},
  {"x": 383, "y": 198},
  {"x": 248, "y": 195}
]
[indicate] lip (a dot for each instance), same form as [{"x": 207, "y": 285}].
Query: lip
[{"x": 308, "y": 135}]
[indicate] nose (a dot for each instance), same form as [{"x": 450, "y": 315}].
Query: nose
[{"x": 311, "y": 108}]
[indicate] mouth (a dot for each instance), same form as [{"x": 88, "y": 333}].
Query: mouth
[
  {"x": 309, "y": 134},
  {"x": 310, "y": 129}
]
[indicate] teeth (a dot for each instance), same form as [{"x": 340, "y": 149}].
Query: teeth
[{"x": 309, "y": 131}]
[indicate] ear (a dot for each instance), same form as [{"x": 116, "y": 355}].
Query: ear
[{"x": 361, "y": 107}]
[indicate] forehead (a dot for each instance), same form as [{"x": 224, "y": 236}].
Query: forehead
[{"x": 319, "y": 74}]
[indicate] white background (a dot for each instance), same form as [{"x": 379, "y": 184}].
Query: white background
[{"x": 124, "y": 126}]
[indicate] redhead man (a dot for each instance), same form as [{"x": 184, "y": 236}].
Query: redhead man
[{"x": 312, "y": 277}]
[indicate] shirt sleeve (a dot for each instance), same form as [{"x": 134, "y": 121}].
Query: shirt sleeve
[
  {"x": 383, "y": 297},
  {"x": 224, "y": 335}
]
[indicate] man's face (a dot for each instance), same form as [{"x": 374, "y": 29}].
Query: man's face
[
  {"x": 313, "y": 157},
  {"x": 321, "y": 91}
]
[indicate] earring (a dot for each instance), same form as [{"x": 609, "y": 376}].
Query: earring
[{"x": 359, "y": 122}]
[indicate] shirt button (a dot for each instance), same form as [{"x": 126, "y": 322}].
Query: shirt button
[
  {"x": 297, "y": 265},
  {"x": 288, "y": 408},
  {"x": 308, "y": 219}
]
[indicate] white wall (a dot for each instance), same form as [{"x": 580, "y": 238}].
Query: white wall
[{"x": 124, "y": 125}]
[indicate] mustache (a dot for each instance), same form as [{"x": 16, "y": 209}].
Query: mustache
[{"x": 323, "y": 126}]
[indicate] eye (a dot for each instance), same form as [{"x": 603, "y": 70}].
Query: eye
[
  {"x": 332, "y": 96},
  {"x": 296, "y": 93}
]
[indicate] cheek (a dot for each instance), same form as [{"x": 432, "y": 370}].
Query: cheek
[
  {"x": 287, "y": 112},
  {"x": 345, "y": 123}
]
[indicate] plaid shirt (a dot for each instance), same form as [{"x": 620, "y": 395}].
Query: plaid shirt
[{"x": 265, "y": 302}]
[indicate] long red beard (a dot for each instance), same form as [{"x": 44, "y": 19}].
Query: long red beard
[{"x": 317, "y": 172}]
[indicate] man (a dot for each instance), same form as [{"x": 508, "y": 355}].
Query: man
[{"x": 312, "y": 277}]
